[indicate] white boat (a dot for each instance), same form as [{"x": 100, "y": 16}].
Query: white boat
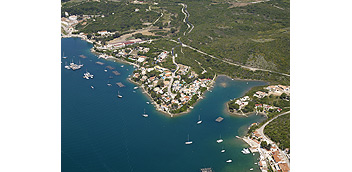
[
  {"x": 199, "y": 121},
  {"x": 118, "y": 94},
  {"x": 63, "y": 56},
  {"x": 245, "y": 151},
  {"x": 191, "y": 107},
  {"x": 144, "y": 114},
  {"x": 222, "y": 150},
  {"x": 135, "y": 88},
  {"x": 121, "y": 65},
  {"x": 229, "y": 161},
  {"x": 188, "y": 141},
  {"x": 251, "y": 169},
  {"x": 147, "y": 103},
  {"x": 92, "y": 87},
  {"x": 105, "y": 70},
  {"x": 219, "y": 140}
]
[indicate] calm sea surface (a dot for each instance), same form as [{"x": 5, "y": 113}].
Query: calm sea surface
[{"x": 101, "y": 132}]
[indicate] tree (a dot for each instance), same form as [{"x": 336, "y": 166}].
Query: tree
[
  {"x": 174, "y": 105},
  {"x": 283, "y": 96}
]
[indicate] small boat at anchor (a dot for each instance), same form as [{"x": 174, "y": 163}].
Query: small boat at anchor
[
  {"x": 188, "y": 141},
  {"x": 229, "y": 161},
  {"x": 220, "y": 140},
  {"x": 199, "y": 121},
  {"x": 144, "y": 114},
  {"x": 118, "y": 94}
]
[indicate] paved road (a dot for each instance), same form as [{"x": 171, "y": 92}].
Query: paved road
[{"x": 173, "y": 73}]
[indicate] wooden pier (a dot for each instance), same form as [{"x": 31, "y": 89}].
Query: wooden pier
[
  {"x": 116, "y": 73},
  {"x": 206, "y": 170},
  {"x": 109, "y": 67},
  {"x": 120, "y": 84},
  {"x": 100, "y": 63},
  {"x": 219, "y": 119}
]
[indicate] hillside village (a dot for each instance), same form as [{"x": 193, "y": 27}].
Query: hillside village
[{"x": 173, "y": 91}]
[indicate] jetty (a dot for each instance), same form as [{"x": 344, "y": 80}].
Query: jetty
[
  {"x": 120, "y": 84},
  {"x": 206, "y": 170},
  {"x": 219, "y": 119},
  {"x": 109, "y": 67},
  {"x": 116, "y": 72},
  {"x": 100, "y": 63}
]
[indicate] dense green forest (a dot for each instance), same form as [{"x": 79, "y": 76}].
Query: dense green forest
[
  {"x": 256, "y": 35},
  {"x": 279, "y": 131}
]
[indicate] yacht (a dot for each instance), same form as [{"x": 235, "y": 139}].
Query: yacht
[
  {"x": 121, "y": 65},
  {"x": 229, "y": 161},
  {"x": 199, "y": 121},
  {"x": 251, "y": 169},
  {"x": 135, "y": 88},
  {"x": 92, "y": 87},
  {"x": 105, "y": 70},
  {"x": 118, "y": 94},
  {"x": 219, "y": 140},
  {"x": 147, "y": 103},
  {"x": 188, "y": 142},
  {"x": 144, "y": 114}
]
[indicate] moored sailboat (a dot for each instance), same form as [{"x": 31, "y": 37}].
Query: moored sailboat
[{"x": 188, "y": 141}]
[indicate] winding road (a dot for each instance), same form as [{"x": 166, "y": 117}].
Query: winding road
[{"x": 185, "y": 20}]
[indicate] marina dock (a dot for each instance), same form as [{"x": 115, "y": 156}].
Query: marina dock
[
  {"x": 116, "y": 72},
  {"x": 206, "y": 170},
  {"x": 109, "y": 67},
  {"x": 100, "y": 63},
  {"x": 120, "y": 84},
  {"x": 219, "y": 119}
]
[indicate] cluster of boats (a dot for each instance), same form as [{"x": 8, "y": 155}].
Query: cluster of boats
[
  {"x": 74, "y": 66},
  {"x": 245, "y": 151},
  {"x": 87, "y": 75}
]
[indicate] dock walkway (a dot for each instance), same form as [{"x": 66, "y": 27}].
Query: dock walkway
[{"x": 120, "y": 84}]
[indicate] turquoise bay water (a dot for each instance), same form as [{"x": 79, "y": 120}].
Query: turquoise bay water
[{"x": 103, "y": 133}]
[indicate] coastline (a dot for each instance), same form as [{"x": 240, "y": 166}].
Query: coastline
[
  {"x": 211, "y": 85},
  {"x": 154, "y": 103},
  {"x": 242, "y": 114}
]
